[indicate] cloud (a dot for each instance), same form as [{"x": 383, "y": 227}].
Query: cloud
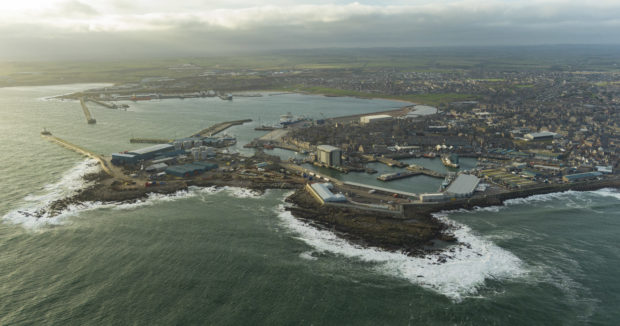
[{"x": 192, "y": 28}]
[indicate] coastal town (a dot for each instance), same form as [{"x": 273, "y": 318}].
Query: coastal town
[{"x": 517, "y": 153}]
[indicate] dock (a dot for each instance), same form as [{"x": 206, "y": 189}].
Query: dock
[
  {"x": 428, "y": 172},
  {"x": 391, "y": 162},
  {"x": 219, "y": 127},
  {"x": 89, "y": 118},
  {"x": 149, "y": 141},
  {"x": 104, "y": 104}
]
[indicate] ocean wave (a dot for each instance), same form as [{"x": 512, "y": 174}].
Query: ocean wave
[
  {"x": 462, "y": 274},
  {"x": 540, "y": 198},
  {"x": 68, "y": 185},
  {"x": 34, "y": 214},
  {"x": 607, "y": 192}
]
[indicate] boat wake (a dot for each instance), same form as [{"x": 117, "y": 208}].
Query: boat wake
[{"x": 458, "y": 273}]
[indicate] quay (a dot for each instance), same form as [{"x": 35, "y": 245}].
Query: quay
[
  {"x": 391, "y": 162},
  {"x": 104, "y": 104},
  {"x": 89, "y": 118},
  {"x": 428, "y": 172},
  {"x": 149, "y": 141},
  {"x": 210, "y": 131},
  {"x": 219, "y": 127}
]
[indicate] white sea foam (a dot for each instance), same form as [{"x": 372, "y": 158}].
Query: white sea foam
[
  {"x": 72, "y": 181},
  {"x": 463, "y": 273},
  {"x": 308, "y": 255},
  {"x": 607, "y": 192},
  {"x": 68, "y": 185},
  {"x": 540, "y": 198}
]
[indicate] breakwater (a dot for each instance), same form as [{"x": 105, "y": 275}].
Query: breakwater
[{"x": 89, "y": 118}]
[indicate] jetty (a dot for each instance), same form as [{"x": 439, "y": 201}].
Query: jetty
[
  {"x": 428, "y": 172},
  {"x": 89, "y": 118},
  {"x": 104, "y": 104},
  {"x": 219, "y": 127},
  {"x": 391, "y": 162},
  {"x": 104, "y": 164},
  {"x": 149, "y": 141}
]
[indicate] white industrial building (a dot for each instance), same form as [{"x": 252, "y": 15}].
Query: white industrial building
[
  {"x": 374, "y": 118},
  {"x": 544, "y": 135},
  {"x": 323, "y": 190},
  {"x": 329, "y": 155},
  {"x": 463, "y": 186},
  {"x": 431, "y": 197}
]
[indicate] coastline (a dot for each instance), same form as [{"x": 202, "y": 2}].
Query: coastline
[{"x": 417, "y": 233}]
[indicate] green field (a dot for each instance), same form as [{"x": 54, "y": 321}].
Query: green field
[{"x": 429, "y": 99}]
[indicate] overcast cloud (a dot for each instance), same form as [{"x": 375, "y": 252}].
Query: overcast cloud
[{"x": 69, "y": 29}]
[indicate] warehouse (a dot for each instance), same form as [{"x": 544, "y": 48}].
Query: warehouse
[
  {"x": 544, "y": 135},
  {"x": 124, "y": 159},
  {"x": 374, "y": 118},
  {"x": 157, "y": 167},
  {"x": 463, "y": 186},
  {"x": 329, "y": 155},
  {"x": 323, "y": 190},
  {"x": 581, "y": 176},
  {"x": 150, "y": 152}
]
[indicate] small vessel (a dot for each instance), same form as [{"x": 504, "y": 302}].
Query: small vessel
[
  {"x": 395, "y": 176},
  {"x": 451, "y": 161},
  {"x": 265, "y": 127},
  {"x": 429, "y": 155},
  {"x": 288, "y": 118},
  {"x": 46, "y": 132}
]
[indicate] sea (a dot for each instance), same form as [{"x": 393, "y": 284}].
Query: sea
[{"x": 233, "y": 256}]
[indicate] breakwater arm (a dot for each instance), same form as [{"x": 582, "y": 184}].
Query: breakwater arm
[{"x": 89, "y": 118}]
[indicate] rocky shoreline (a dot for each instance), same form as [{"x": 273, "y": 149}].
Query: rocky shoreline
[
  {"x": 416, "y": 233},
  {"x": 414, "y": 236}
]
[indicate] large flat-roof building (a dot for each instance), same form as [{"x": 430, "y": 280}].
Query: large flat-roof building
[
  {"x": 329, "y": 155},
  {"x": 581, "y": 176},
  {"x": 374, "y": 118},
  {"x": 323, "y": 190},
  {"x": 544, "y": 135},
  {"x": 137, "y": 155},
  {"x": 463, "y": 186}
]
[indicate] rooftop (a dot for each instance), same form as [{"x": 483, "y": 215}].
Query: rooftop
[
  {"x": 151, "y": 149},
  {"x": 327, "y": 148},
  {"x": 463, "y": 184}
]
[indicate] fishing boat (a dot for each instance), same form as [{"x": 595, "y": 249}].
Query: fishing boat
[{"x": 451, "y": 161}]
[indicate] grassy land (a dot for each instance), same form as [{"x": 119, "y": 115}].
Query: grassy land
[{"x": 429, "y": 99}]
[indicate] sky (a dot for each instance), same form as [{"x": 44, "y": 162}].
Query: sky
[{"x": 117, "y": 29}]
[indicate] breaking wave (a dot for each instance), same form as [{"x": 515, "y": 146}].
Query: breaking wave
[
  {"x": 34, "y": 214},
  {"x": 68, "y": 185},
  {"x": 461, "y": 275}
]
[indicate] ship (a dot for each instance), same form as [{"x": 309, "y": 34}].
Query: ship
[
  {"x": 451, "y": 161},
  {"x": 266, "y": 128},
  {"x": 395, "y": 176},
  {"x": 45, "y": 132},
  {"x": 288, "y": 118}
]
